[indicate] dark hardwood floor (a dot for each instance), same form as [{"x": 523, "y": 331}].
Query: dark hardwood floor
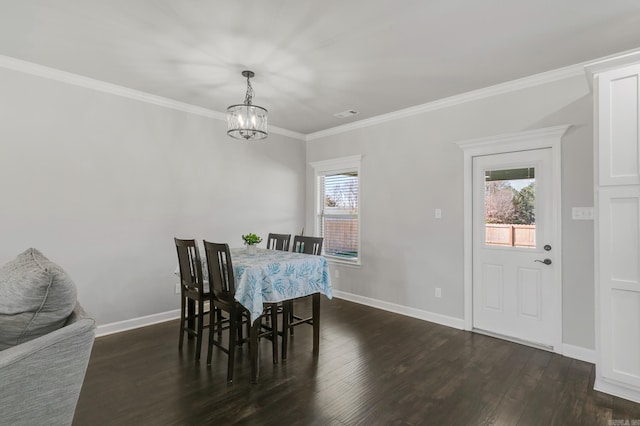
[{"x": 374, "y": 368}]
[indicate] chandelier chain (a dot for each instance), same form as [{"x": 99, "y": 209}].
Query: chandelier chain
[{"x": 248, "y": 99}]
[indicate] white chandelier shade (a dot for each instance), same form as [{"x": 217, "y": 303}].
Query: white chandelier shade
[{"x": 247, "y": 121}]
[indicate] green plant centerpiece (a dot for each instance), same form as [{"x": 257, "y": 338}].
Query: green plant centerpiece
[{"x": 251, "y": 240}]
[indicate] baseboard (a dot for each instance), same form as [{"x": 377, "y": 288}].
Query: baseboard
[
  {"x": 571, "y": 351},
  {"x": 579, "y": 353},
  {"x": 130, "y": 324},
  {"x": 604, "y": 385},
  {"x": 403, "y": 310}
]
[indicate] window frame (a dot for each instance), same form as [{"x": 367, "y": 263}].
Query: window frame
[{"x": 329, "y": 167}]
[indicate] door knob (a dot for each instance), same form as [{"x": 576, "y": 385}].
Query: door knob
[{"x": 546, "y": 261}]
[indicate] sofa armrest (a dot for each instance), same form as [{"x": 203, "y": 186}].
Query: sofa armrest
[{"x": 42, "y": 378}]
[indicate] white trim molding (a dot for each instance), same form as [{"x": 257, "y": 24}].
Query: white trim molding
[
  {"x": 550, "y": 137},
  {"x": 474, "y": 95},
  {"x": 589, "y": 67},
  {"x": 579, "y": 353},
  {"x": 334, "y": 166},
  {"x": 337, "y": 163},
  {"x": 615, "y": 388},
  {"x": 610, "y": 62},
  {"x": 130, "y": 324},
  {"x": 402, "y": 310},
  {"x": 42, "y": 71},
  {"x": 571, "y": 351}
]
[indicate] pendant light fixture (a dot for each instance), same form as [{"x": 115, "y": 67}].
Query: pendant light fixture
[{"x": 247, "y": 121}]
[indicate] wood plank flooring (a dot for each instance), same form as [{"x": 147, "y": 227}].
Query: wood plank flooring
[{"x": 374, "y": 368}]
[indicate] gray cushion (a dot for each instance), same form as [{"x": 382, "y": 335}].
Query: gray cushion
[{"x": 36, "y": 297}]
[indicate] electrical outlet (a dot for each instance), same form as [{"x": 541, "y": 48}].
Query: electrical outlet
[
  {"x": 582, "y": 213},
  {"x": 336, "y": 273},
  {"x": 438, "y": 292},
  {"x": 177, "y": 288}
]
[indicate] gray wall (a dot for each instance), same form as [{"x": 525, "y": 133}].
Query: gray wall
[
  {"x": 411, "y": 166},
  {"x": 101, "y": 184}
]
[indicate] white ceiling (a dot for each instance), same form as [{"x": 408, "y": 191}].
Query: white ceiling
[{"x": 313, "y": 59}]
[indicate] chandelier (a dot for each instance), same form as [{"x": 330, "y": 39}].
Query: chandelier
[{"x": 247, "y": 121}]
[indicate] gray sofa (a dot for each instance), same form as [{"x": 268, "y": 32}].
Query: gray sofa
[
  {"x": 40, "y": 380},
  {"x": 45, "y": 342}
]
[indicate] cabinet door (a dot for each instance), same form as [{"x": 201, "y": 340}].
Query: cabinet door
[
  {"x": 619, "y": 233},
  {"x": 618, "y": 126}
]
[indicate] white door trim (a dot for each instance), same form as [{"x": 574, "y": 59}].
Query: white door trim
[{"x": 549, "y": 137}]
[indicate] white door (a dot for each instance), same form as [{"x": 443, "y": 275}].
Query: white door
[{"x": 514, "y": 293}]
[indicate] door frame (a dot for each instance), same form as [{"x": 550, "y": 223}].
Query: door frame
[{"x": 549, "y": 137}]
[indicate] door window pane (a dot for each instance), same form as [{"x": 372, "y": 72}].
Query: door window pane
[{"x": 509, "y": 207}]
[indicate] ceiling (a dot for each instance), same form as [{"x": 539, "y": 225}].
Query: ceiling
[{"x": 313, "y": 59}]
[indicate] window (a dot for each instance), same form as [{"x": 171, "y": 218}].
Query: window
[
  {"x": 510, "y": 201},
  {"x": 338, "y": 208}
]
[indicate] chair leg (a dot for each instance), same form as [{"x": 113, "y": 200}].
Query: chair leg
[
  {"x": 247, "y": 325},
  {"x": 286, "y": 309},
  {"x": 219, "y": 316},
  {"x": 274, "y": 332},
  {"x": 291, "y": 317},
  {"x": 254, "y": 347},
  {"x": 238, "y": 316},
  {"x": 182, "y": 321},
  {"x": 232, "y": 345},
  {"x": 212, "y": 319},
  {"x": 316, "y": 322},
  {"x": 200, "y": 328},
  {"x": 191, "y": 317}
]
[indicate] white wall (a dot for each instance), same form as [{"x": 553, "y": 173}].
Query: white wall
[
  {"x": 101, "y": 184},
  {"x": 411, "y": 166}
]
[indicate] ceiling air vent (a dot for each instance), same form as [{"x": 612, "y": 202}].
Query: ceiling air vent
[{"x": 347, "y": 113}]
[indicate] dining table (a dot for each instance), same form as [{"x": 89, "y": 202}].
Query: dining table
[{"x": 273, "y": 276}]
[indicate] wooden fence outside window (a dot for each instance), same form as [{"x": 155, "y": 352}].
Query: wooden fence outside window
[{"x": 498, "y": 234}]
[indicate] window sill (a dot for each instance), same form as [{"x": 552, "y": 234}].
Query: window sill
[{"x": 342, "y": 262}]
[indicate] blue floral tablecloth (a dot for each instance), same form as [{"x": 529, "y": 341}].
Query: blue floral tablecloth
[{"x": 274, "y": 276}]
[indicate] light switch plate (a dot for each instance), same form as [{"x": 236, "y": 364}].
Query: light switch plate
[{"x": 582, "y": 213}]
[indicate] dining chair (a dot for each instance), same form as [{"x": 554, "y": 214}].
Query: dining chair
[
  {"x": 307, "y": 245},
  {"x": 278, "y": 242},
  {"x": 194, "y": 292},
  {"x": 222, "y": 296}
]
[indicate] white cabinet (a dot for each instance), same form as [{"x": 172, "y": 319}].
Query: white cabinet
[
  {"x": 619, "y": 298},
  {"x": 618, "y": 120},
  {"x": 617, "y": 228}
]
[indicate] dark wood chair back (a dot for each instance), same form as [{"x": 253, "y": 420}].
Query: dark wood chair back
[
  {"x": 220, "y": 268},
  {"x": 278, "y": 242},
  {"x": 194, "y": 292},
  {"x": 190, "y": 266},
  {"x": 308, "y": 245}
]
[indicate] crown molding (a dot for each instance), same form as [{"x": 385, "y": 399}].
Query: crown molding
[
  {"x": 622, "y": 59},
  {"x": 589, "y": 67},
  {"x": 31, "y": 68},
  {"x": 474, "y": 95},
  {"x": 285, "y": 132},
  {"x": 518, "y": 141}
]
